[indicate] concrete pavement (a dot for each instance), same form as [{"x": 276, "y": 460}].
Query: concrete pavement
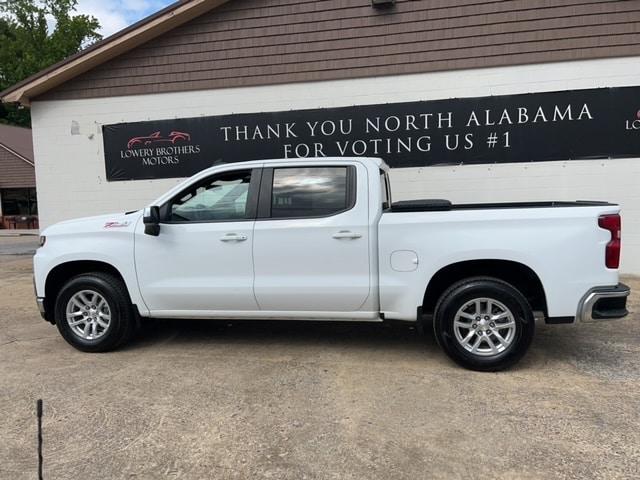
[
  {"x": 18, "y": 245},
  {"x": 7, "y": 232}
]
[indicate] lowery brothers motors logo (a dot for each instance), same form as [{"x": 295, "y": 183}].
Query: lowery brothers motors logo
[
  {"x": 157, "y": 149},
  {"x": 633, "y": 124}
]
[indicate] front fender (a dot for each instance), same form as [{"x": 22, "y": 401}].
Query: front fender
[{"x": 113, "y": 247}]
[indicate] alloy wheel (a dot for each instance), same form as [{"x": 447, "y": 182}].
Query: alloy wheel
[
  {"x": 484, "y": 327},
  {"x": 88, "y": 314}
]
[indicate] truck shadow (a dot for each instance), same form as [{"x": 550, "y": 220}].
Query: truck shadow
[
  {"x": 579, "y": 349},
  {"x": 594, "y": 349},
  {"x": 387, "y": 335}
]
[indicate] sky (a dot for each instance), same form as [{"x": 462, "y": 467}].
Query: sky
[{"x": 115, "y": 15}]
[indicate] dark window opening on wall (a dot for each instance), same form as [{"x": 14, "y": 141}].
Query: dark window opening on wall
[{"x": 19, "y": 201}]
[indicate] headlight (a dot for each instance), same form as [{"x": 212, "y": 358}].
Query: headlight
[{"x": 43, "y": 240}]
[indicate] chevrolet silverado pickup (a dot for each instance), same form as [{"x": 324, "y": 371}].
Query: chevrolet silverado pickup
[{"x": 321, "y": 239}]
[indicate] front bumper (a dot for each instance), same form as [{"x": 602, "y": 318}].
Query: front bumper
[
  {"x": 604, "y": 303},
  {"x": 40, "y": 302}
]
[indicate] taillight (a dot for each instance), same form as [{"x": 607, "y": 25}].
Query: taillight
[{"x": 612, "y": 223}]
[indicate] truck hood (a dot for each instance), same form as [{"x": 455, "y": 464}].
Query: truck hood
[{"x": 98, "y": 223}]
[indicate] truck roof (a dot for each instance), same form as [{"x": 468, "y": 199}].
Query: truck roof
[{"x": 378, "y": 162}]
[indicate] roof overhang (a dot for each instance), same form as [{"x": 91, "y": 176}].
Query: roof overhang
[
  {"x": 17, "y": 155},
  {"x": 137, "y": 34}
]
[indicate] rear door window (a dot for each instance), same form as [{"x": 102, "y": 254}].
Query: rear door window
[{"x": 310, "y": 191}]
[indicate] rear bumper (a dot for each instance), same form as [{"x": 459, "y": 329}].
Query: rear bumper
[{"x": 604, "y": 303}]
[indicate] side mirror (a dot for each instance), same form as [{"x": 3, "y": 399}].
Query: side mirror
[{"x": 151, "y": 221}]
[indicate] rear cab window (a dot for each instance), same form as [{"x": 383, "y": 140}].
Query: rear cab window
[{"x": 385, "y": 191}]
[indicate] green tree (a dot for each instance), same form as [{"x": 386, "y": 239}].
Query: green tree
[{"x": 35, "y": 34}]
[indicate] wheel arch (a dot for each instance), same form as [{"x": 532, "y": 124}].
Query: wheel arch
[
  {"x": 58, "y": 276},
  {"x": 522, "y": 277}
]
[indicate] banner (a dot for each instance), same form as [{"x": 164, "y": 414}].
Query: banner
[{"x": 568, "y": 125}]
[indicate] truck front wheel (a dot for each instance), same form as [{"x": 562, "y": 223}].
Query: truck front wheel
[
  {"x": 484, "y": 324},
  {"x": 93, "y": 312}
]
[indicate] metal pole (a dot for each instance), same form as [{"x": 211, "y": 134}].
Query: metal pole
[{"x": 39, "y": 412}]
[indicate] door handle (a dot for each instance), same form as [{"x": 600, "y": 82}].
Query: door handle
[
  {"x": 346, "y": 234},
  {"x": 233, "y": 237}
]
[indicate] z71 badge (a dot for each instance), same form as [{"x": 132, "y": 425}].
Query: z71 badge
[{"x": 116, "y": 224}]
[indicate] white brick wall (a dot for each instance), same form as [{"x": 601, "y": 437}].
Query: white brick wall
[{"x": 71, "y": 175}]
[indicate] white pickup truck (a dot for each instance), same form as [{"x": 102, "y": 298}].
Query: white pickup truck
[{"x": 320, "y": 239}]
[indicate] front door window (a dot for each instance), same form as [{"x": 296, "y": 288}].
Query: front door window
[{"x": 220, "y": 198}]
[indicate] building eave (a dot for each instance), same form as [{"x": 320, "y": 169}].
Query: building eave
[
  {"x": 17, "y": 155},
  {"x": 123, "y": 41}
]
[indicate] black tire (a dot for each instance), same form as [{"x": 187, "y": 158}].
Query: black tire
[
  {"x": 122, "y": 323},
  {"x": 463, "y": 293}
]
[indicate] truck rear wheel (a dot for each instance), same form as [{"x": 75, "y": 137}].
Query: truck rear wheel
[
  {"x": 484, "y": 324},
  {"x": 93, "y": 312}
]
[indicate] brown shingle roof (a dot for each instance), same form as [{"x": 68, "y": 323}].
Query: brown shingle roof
[
  {"x": 146, "y": 29},
  {"x": 18, "y": 140}
]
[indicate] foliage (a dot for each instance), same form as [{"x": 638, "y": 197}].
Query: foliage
[{"x": 35, "y": 34}]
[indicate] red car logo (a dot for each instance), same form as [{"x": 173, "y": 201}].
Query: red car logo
[{"x": 155, "y": 137}]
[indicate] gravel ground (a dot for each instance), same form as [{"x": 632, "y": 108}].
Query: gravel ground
[{"x": 297, "y": 401}]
